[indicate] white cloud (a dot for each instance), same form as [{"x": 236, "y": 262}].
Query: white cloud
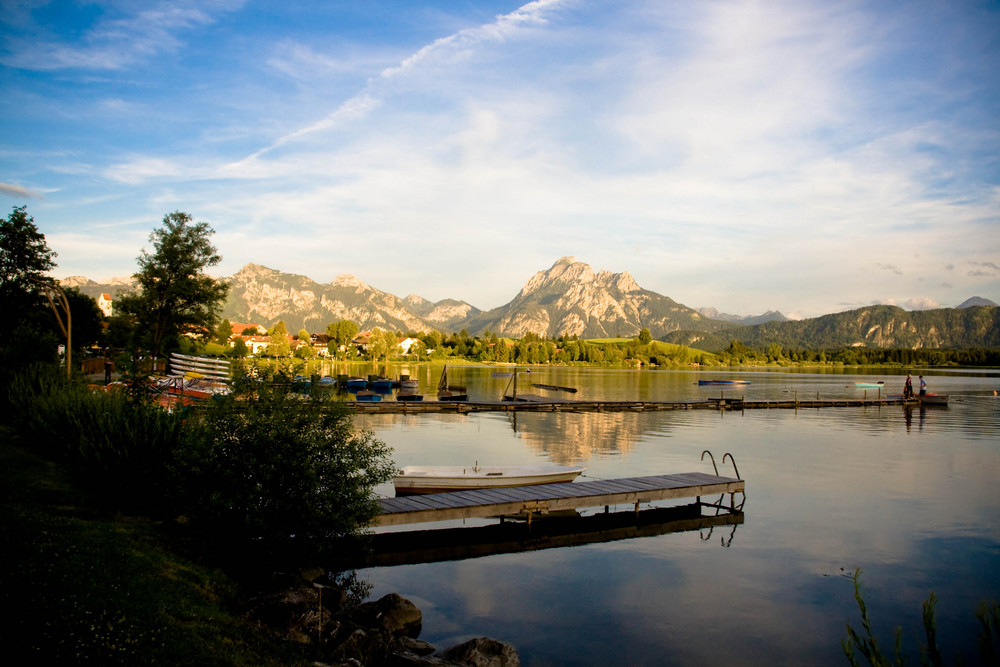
[
  {"x": 116, "y": 42},
  {"x": 18, "y": 191},
  {"x": 745, "y": 156}
]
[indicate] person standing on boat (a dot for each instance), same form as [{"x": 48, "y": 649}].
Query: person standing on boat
[
  {"x": 908, "y": 387},
  {"x": 923, "y": 386}
]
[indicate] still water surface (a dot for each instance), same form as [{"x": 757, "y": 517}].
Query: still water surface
[{"x": 909, "y": 496}]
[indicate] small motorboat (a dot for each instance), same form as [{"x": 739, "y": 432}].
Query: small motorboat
[
  {"x": 411, "y": 480},
  {"x": 382, "y": 384},
  {"x": 701, "y": 382},
  {"x": 932, "y": 399},
  {"x": 356, "y": 383},
  {"x": 872, "y": 385},
  {"x": 925, "y": 399}
]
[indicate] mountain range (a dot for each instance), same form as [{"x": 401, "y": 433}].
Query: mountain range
[{"x": 571, "y": 299}]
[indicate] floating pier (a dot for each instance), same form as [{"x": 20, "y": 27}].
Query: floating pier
[
  {"x": 530, "y": 403},
  {"x": 546, "y": 498}
]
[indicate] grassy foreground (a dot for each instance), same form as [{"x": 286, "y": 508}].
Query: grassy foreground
[{"x": 80, "y": 586}]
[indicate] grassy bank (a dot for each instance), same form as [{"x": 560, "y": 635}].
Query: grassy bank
[{"x": 82, "y": 586}]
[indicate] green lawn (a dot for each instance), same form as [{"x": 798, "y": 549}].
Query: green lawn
[{"x": 79, "y": 586}]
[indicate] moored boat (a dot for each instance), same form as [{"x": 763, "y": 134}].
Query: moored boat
[
  {"x": 411, "y": 480},
  {"x": 925, "y": 399},
  {"x": 355, "y": 383},
  {"x": 448, "y": 392},
  {"x": 382, "y": 384},
  {"x": 368, "y": 395}
]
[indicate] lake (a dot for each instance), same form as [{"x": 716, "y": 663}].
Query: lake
[{"x": 909, "y": 496}]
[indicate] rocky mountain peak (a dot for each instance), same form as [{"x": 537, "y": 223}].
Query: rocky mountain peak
[
  {"x": 347, "y": 280},
  {"x": 252, "y": 271},
  {"x": 566, "y": 270},
  {"x": 416, "y": 300},
  {"x": 76, "y": 281},
  {"x": 975, "y": 301}
]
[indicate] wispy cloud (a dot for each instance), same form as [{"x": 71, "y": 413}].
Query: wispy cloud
[
  {"x": 112, "y": 42},
  {"x": 984, "y": 269},
  {"x": 445, "y": 48},
  {"x": 18, "y": 191},
  {"x": 811, "y": 155},
  {"x": 921, "y": 303}
]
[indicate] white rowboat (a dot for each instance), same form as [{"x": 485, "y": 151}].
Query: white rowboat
[{"x": 411, "y": 480}]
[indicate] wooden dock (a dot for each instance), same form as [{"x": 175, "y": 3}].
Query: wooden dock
[
  {"x": 538, "y": 404},
  {"x": 543, "y": 498}
]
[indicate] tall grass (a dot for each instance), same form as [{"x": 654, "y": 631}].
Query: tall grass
[
  {"x": 864, "y": 644},
  {"x": 121, "y": 446}
]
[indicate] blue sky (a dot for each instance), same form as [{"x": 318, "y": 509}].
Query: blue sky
[{"x": 809, "y": 157}]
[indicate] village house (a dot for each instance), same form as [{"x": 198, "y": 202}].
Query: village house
[
  {"x": 240, "y": 327},
  {"x": 406, "y": 343},
  {"x": 104, "y": 303}
]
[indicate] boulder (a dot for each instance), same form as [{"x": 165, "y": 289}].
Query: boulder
[
  {"x": 392, "y": 613},
  {"x": 483, "y": 652}
]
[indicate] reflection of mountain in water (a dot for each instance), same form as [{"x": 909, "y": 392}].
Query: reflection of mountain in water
[{"x": 576, "y": 437}]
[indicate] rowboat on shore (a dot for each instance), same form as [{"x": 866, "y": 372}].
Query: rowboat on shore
[{"x": 411, "y": 480}]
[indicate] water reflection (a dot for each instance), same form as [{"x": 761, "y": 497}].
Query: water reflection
[
  {"x": 556, "y": 530},
  {"x": 908, "y": 496}
]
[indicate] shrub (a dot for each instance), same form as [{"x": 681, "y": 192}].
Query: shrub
[{"x": 268, "y": 468}]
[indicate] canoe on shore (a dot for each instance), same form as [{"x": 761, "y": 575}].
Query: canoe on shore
[{"x": 411, "y": 480}]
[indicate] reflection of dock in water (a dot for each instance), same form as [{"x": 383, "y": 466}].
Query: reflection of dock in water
[{"x": 430, "y": 546}]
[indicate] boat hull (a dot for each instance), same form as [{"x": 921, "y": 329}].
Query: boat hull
[{"x": 412, "y": 480}]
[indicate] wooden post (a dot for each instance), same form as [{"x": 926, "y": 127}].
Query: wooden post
[{"x": 51, "y": 288}]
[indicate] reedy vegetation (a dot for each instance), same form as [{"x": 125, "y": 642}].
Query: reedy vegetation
[
  {"x": 865, "y": 644},
  {"x": 260, "y": 471}
]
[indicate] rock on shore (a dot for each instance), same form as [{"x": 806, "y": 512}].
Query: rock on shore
[{"x": 375, "y": 633}]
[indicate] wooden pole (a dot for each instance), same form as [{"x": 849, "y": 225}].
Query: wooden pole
[{"x": 51, "y": 288}]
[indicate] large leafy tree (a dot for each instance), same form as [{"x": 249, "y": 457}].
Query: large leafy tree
[
  {"x": 174, "y": 294},
  {"x": 25, "y": 257}
]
